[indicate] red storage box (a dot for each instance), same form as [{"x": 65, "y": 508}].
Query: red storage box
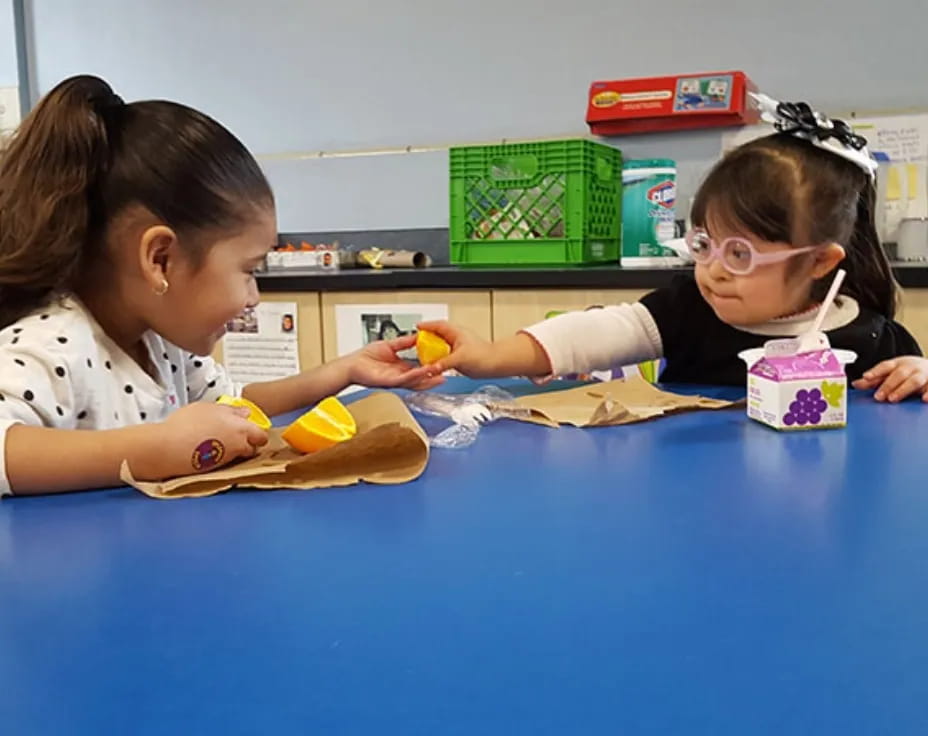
[{"x": 682, "y": 102}]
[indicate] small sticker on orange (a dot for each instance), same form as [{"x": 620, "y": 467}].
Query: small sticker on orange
[
  {"x": 323, "y": 426},
  {"x": 431, "y": 348}
]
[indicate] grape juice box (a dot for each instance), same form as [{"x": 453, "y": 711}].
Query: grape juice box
[{"x": 798, "y": 383}]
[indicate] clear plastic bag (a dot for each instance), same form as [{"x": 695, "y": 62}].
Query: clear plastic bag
[{"x": 467, "y": 412}]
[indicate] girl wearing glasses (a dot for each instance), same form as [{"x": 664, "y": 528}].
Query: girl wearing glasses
[{"x": 771, "y": 223}]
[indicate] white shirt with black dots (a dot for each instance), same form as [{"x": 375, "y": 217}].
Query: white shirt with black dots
[{"x": 59, "y": 369}]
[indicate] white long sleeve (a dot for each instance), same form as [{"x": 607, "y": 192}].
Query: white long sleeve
[{"x": 598, "y": 339}]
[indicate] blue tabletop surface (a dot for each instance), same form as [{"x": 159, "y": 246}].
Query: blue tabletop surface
[{"x": 700, "y": 574}]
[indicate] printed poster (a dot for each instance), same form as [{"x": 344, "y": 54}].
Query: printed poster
[{"x": 262, "y": 344}]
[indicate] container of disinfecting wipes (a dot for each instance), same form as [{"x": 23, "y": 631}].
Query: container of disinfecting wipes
[{"x": 649, "y": 195}]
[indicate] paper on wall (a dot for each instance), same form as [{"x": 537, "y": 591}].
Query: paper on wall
[
  {"x": 9, "y": 110},
  {"x": 903, "y": 139},
  {"x": 262, "y": 344}
]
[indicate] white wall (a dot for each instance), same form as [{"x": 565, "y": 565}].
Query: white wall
[
  {"x": 292, "y": 76},
  {"x": 8, "y": 73}
]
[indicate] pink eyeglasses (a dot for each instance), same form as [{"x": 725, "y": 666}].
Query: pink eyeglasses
[{"x": 737, "y": 255}]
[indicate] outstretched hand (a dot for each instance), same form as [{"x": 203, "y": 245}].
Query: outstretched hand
[{"x": 379, "y": 365}]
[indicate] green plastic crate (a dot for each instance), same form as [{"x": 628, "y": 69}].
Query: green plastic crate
[{"x": 545, "y": 204}]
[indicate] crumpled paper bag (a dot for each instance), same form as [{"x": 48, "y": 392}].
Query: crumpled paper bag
[
  {"x": 389, "y": 448},
  {"x": 623, "y": 401}
]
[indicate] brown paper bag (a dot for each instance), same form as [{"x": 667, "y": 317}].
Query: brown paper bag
[
  {"x": 390, "y": 447},
  {"x": 614, "y": 402}
]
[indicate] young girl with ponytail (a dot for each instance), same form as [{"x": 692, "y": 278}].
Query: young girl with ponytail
[{"x": 129, "y": 237}]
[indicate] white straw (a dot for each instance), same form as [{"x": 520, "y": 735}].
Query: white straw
[{"x": 832, "y": 293}]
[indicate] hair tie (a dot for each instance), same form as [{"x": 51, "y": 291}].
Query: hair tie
[
  {"x": 800, "y": 120},
  {"x": 105, "y": 102}
]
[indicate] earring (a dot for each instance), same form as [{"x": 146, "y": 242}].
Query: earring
[{"x": 162, "y": 288}]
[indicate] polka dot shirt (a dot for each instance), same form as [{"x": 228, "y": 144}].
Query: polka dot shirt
[{"x": 59, "y": 369}]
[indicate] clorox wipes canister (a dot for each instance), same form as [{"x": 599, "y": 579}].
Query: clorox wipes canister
[{"x": 649, "y": 194}]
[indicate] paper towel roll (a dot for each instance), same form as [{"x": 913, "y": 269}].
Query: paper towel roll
[{"x": 394, "y": 259}]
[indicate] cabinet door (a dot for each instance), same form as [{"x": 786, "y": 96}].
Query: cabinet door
[
  {"x": 469, "y": 308},
  {"x": 514, "y": 309},
  {"x": 914, "y": 314}
]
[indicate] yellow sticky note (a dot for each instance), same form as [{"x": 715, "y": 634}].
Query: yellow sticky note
[
  {"x": 893, "y": 185},
  {"x": 911, "y": 171}
]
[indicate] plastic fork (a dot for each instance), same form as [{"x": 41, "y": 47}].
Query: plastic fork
[{"x": 471, "y": 415}]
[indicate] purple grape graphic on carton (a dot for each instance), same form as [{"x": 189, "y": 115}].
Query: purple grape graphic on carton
[{"x": 806, "y": 409}]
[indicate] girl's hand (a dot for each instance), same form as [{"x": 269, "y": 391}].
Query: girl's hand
[
  {"x": 897, "y": 379},
  {"x": 470, "y": 355},
  {"x": 378, "y": 364},
  {"x": 201, "y": 437}
]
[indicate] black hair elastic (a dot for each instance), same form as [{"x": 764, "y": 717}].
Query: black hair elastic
[
  {"x": 798, "y": 117},
  {"x": 800, "y": 120},
  {"x": 105, "y": 103}
]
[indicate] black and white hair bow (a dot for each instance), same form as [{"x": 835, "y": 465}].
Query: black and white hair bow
[{"x": 800, "y": 120}]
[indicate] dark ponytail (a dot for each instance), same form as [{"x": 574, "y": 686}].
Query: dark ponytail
[
  {"x": 47, "y": 173},
  {"x": 82, "y": 157},
  {"x": 869, "y": 276}
]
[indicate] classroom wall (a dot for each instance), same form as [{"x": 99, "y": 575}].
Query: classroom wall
[{"x": 291, "y": 77}]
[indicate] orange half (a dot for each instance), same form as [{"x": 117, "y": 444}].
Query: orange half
[
  {"x": 431, "y": 348},
  {"x": 255, "y": 414},
  {"x": 323, "y": 426}
]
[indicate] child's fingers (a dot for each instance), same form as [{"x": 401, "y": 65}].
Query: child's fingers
[
  {"x": 445, "y": 330},
  {"x": 892, "y": 383},
  {"x": 256, "y": 436},
  {"x": 879, "y": 371},
  {"x": 437, "y": 368},
  {"x": 412, "y": 374},
  {"x": 448, "y": 363},
  {"x": 915, "y": 382},
  {"x": 428, "y": 383},
  {"x": 866, "y": 383},
  {"x": 404, "y": 342}
]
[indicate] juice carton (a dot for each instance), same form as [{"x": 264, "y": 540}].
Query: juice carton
[{"x": 798, "y": 383}]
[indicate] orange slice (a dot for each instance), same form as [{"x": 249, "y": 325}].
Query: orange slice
[
  {"x": 325, "y": 425},
  {"x": 430, "y": 347},
  {"x": 256, "y": 415}
]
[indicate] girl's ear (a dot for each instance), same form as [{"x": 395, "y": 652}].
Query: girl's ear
[
  {"x": 158, "y": 255},
  {"x": 827, "y": 259}
]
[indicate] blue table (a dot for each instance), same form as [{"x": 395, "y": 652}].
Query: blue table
[{"x": 699, "y": 574}]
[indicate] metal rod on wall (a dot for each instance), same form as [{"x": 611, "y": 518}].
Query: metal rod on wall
[
  {"x": 400, "y": 150},
  {"x": 22, "y": 57}
]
